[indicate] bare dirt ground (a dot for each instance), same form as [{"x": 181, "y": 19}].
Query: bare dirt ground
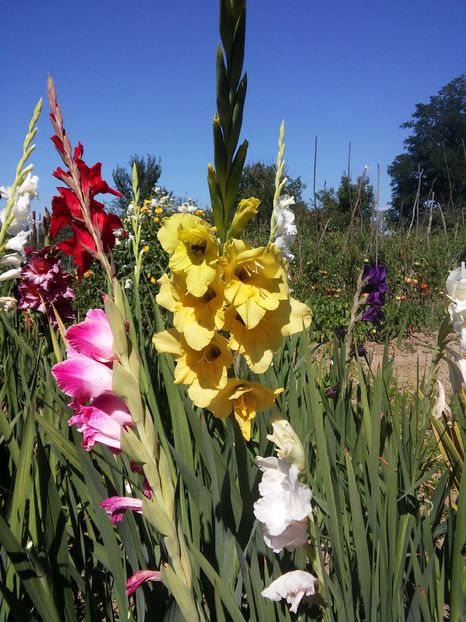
[{"x": 414, "y": 352}]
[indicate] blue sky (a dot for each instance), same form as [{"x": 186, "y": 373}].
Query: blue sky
[{"x": 139, "y": 77}]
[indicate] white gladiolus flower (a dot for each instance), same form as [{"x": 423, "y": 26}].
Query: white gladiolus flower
[
  {"x": 12, "y": 259},
  {"x": 10, "y": 274},
  {"x": 289, "y": 447},
  {"x": 18, "y": 242},
  {"x": 285, "y": 228},
  {"x": 20, "y": 210},
  {"x": 293, "y": 586},
  {"x": 441, "y": 405},
  {"x": 284, "y": 505},
  {"x": 29, "y": 185},
  {"x": 456, "y": 292}
]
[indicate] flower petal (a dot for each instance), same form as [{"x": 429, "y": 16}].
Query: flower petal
[
  {"x": 93, "y": 337},
  {"x": 82, "y": 377}
]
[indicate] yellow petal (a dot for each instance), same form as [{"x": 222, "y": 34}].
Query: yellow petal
[
  {"x": 198, "y": 278},
  {"x": 300, "y": 318},
  {"x": 165, "y": 298},
  {"x": 168, "y": 341}
]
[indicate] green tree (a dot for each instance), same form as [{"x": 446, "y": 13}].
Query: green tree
[
  {"x": 350, "y": 201},
  {"x": 433, "y": 164},
  {"x": 149, "y": 171},
  {"x": 258, "y": 180}
]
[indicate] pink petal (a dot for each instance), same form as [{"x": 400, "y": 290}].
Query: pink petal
[
  {"x": 92, "y": 337},
  {"x": 82, "y": 377},
  {"x": 98, "y": 426},
  {"x": 114, "y": 406},
  {"x": 137, "y": 468},
  {"x": 139, "y": 577},
  {"x": 117, "y": 506}
]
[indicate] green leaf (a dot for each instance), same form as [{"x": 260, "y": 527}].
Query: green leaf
[{"x": 35, "y": 586}]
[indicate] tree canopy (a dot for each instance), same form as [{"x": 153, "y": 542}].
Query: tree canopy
[
  {"x": 433, "y": 166},
  {"x": 258, "y": 180},
  {"x": 149, "y": 171},
  {"x": 349, "y": 198}
]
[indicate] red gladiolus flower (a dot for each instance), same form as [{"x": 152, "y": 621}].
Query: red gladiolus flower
[{"x": 75, "y": 206}]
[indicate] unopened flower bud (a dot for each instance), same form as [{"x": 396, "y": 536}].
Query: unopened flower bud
[{"x": 289, "y": 447}]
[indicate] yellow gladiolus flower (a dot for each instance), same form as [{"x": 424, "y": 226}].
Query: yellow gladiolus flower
[
  {"x": 256, "y": 280},
  {"x": 193, "y": 249},
  {"x": 206, "y": 368},
  {"x": 258, "y": 344},
  {"x": 241, "y": 397},
  {"x": 198, "y": 318}
]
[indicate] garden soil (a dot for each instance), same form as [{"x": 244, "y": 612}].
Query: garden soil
[{"x": 412, "y": 359}]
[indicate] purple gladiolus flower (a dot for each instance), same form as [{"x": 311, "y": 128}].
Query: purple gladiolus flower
[
  {"x": 375, "y": 288},
  {"x": 332, "y": 391}
]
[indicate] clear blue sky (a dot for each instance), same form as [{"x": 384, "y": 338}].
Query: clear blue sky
[{"x": 139, "y": 77}]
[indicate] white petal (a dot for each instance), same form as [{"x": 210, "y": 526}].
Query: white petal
[
  {"x": 29, "y": 185},
  {"x": 10, "y": 274},
  {"x": 12, "y": 259},
  {"x": 292, "y": 586},
  {"x": 18, "y": 242},
  {"x": 440, "y": 405}
]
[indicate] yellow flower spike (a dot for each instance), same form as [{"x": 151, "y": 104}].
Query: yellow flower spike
[
  {"x": 256, "y": 279},
  {"x": 243, "y": 398},
  {"x": 197, "y": 318},
  {"x": 258, "y": 344},
  {"x": 204, "y": 369},
  {"x": 193, "y": 249},
  {"x": 247, "y": 209}
]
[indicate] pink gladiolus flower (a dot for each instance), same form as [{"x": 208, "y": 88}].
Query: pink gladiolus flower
[
  {"x": 102, "y": 421},
  {"x": 92, "y": 337},
  {"x": 82, "y": 377},
  {"x": 117, "y": 506},
  {"x": 139, "y": 577}
]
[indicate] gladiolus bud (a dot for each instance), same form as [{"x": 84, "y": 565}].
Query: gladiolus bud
[
  {"x": 289, "y": 447},
  {"x": 246, "y": 210}
]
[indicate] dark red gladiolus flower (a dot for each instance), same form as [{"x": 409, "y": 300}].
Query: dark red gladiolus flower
[{"x": 43, "y": 283}]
